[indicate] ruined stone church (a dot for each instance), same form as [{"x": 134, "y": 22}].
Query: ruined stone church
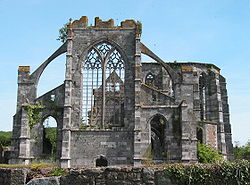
[{"x": 115, "y": 109}]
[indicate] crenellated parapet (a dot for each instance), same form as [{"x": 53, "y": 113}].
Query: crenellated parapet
[{"x": 82, "y": 23}]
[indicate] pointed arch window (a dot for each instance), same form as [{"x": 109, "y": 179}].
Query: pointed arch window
[{"x": 103, "y": 79}]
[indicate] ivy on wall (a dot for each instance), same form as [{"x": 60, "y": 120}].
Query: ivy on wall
[{"x": 34, "y": 113}]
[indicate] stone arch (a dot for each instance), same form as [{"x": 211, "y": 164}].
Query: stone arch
[
  {"x": 49, "y": 128},
  {"x": 54, "y": 73},
  {"x": 83, "y": 55},
  {"x": 38, "y": 72},
  {"x": 174, "y": 76},
  {"x": 158, "y": 126}
]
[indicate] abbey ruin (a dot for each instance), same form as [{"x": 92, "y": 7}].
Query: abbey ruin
[{"x": 114, "y": 109}]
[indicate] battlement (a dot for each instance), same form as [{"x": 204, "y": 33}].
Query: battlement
[{"x": 99, "y": 23}]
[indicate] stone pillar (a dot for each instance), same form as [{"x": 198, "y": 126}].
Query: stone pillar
[
  {"x": 188, "y": 120},
  {"x": 216, "y": 113},
  {"x": 21, "y": 131},
  {"x": 24, "y": 139},
  {"x": 137, "y": 127},
  {"x": 66, "y": 132},
  {"x": 226, "y": 118}
]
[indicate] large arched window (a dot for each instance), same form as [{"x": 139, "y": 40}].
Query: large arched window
[{"x": 103, "y": 81}]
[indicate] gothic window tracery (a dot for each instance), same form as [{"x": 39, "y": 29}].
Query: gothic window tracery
[{"x": 103, "y": 80}]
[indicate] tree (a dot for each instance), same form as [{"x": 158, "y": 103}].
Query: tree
[
  {"x": 241, "y": 152},
  {"x": 63, "y": 32}
]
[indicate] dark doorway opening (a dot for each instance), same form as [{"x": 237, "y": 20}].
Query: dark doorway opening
[
  {"x": 158, "y": 126},
  {"x": 101, "y": 162},
  {"x": 199, "y": 135}
]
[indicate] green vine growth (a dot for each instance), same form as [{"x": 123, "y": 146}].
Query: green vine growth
[
  {"x": 34, "y": 113},
  {"x": 138, "y": 27}
]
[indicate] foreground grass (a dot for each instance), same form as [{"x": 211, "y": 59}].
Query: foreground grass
[{"x": 32, "y": 166}]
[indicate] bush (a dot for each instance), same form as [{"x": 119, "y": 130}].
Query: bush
[
  {"x": 210, "y": 174},
  {"x": 57, "y": 171},
  {"x": 208, "y": 154}
]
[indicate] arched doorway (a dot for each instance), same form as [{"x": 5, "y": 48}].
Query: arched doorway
[
  {"x": 158, "y": 128},
  {"x": 49, "y": 141}
]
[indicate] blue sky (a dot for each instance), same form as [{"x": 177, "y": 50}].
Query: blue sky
[{"x": 209, "y": 31}]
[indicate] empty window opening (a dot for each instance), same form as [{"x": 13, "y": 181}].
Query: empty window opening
[
  {"x": 52, "y": 97},
  {"x": 158, "y": 126}
]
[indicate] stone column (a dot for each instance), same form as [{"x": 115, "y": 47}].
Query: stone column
[
  {"x": 226, "y": 118},
  {"x": 188, "y": 120},
  {"x": 66, "y": 132},
  {"x": 216, "y": 113},
  {"x": 21, "y": 131},
  {"x": 137, "y": 127}
]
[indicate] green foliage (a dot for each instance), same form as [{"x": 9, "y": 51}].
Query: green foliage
[
  {"x": 148, "y": 155},
  {"x": 138, "y": 27},
  {"x": 207, "y": 154},
  {"x": 57, "y": 171},
  {"x": 51, "y": 135},
  {"x": 63, "y": 33},
  {"x": 34, "y": 114},
  {"x": 242, "y": 152},
  {"x": 210, "y": 174},
  {"x": 5, "y": 138}
]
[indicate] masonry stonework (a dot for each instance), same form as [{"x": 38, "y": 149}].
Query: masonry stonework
[{"x": 115, "y": 107}]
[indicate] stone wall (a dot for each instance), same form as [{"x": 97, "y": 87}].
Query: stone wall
[
  {"x": 13, "y": 176},
  {"x": 115, "y": 146},
  {"x": 97, "y": 176}
]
